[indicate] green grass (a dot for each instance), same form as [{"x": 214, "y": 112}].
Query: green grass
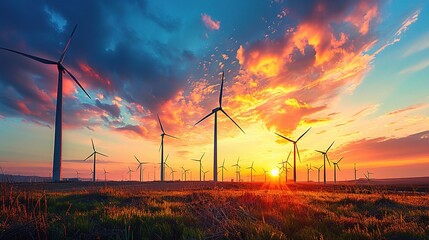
[{"x": 118, "y": 213}]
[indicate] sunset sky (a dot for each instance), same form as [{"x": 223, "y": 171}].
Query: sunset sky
[{"x": 355, "y": 71}]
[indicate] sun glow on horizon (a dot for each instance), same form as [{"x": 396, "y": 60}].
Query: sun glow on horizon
[{"x": 275, "y": 172}]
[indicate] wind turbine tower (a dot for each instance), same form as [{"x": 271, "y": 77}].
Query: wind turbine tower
[
  {"x": 163, "y": 134},
  {"x": 95, "y": 157},
  {"x": 325, "y": 157}
]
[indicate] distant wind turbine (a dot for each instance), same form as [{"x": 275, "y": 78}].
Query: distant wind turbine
[
  {"x": 285, "y": 168},
  {"x": 355, "y": 170},
  {"x": 77, "y": 174},
  {"x": 265, "y": 174},
  {"x": 105, "y": 175},
  {"x": 204, "y": 172},
  {"x": 185, "y": 171},
  {"x": 201, "y": 163},
  {"x": 95, "y": 156},
  {"x": 56, "y": 170},
  {"x": 251, "y": 171},
  {"x": 223, "y": 168},
  {"x": 172, "y": 174},
  {"x": 237, "y": 170},
  {"x": 129, "y": 172},
  {"x": 141, "y": 167},
  {"x": 335, "y": 169},
  {"x": 308, "y": 172},
  {"x": 318, "y": 173},
  {"x": 162, "y": 147},
  {"x": 214, "y": 111},
  {"x": 325, "y": 157},
  {"x": 367, "y": 176},
  {"x": 295, "y": 150}
]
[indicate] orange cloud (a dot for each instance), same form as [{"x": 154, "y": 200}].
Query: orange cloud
[{"x": 209, "y": 23}]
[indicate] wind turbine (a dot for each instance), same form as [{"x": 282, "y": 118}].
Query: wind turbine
[
  {"x": 172, "y": 173},
  {"x": 91, "y": 172},
  {"x": 284, "y": 167},
  {"x": 265, "y": 174},
  {"x": 223, "y": 168},
  {"x": 318, "y": 173},
  {"x": 325, "y": 157},
  {"x": 162, "y": 147},
  {"x": 129, "y": 172},
  {"x": 185, "y": 171},
  {"x": 367, "y": 176},
  {"x": 214, "y": 111},
  {"x": 251, "y": 171},
  {"x": 204, "y": 172},
  {"x": 56, "y": 170},
  {"x": 355, "y": 170},
  {"x": 165, "y": 161},
  {"x": 95, "y": 156},
  {"x": 237, "y": 170},
  {"x": 295, "y": 150},
  {"x": 201, "y": 163},
  {"x": 105, "y": 175},
  {"x": 308, "y": 172},
  {"x": 141, "y": 167},
  {"x": 335, "y": 169},
  {"x": 77, "y": 175}
]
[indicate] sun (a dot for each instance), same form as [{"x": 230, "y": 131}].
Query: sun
[{"x": 274, "y": 172}]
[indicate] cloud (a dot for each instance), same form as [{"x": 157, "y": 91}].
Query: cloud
[
  {"x": 112, "y": 109},
  {"x": 209, "y": 23},
  {"x": 415, "y": 68},
  {"x": 419, "y": 45},
  {"x": 409, "y": 108}
]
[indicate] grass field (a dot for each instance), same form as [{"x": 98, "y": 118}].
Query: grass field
[{"x": 194, "y": 210}]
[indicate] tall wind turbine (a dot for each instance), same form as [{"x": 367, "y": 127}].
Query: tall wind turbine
[
  {"x": 335, "y": 169},
  {"x": 201, "y": 163},
  {"x": 56, "y": 170},
  {"x": 237, "y": 170},
  {"x": 129, "y": 172},
  {"x": 105, "y": 175},
  {"x": 214, "y": 111},
  {"x": 295, "y": 150},
  {"x": 318, "y": 173},
  {"x": 223, "y": 168},
  {"x": 204, "y": 172},
  {"x": 95, "y": 156},
  {"x": 162, "y": 147},
  {"x": 325, "y": 157},
  {"x": 308, "y": 172},
  {"x": 141, "y": 167},
  {"x": 251, "y": 171},
  {"x": 355, "y": 170}
]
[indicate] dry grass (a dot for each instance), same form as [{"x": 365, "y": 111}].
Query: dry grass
[{"x": 207, "y": 211}]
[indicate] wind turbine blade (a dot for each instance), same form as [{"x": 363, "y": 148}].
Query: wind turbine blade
[
  {"x": 319, "y": 151},
  {"x": 297, "y": 150},
  {"x": 338, "y": 166},
  {"x": 171, "y": 136},
  {"x": 42, "y": 60},
  {"x": 160, "y": 124},
  {"x": 232, "y": 120},
  {"x": 287, "y": 160},
  {"x": 76, "y": 81},
  {"x": 327, "y": 158},
  {"x": 196, "y": 160},
  {"x": 89, "y": 156},
  {"x": 138, "y": 167},
  {"x": 208, "y": 115},
  {"x": 102, "y": 154},
  {"x": 330, "y": 146},
  {"x": 166, "y": 158},
  {"x": 290, "y": 140},
  {"x": 340, "y": 160},
  {"x": 289, "y": 164},
  {"x": 203, "y": 156},
  {"x": 137, "y": 159},
  {"x": 160, "y": 145},
  {"x": 93, "y": 147},
  {"x": 303, "y": 134},
  {"x": 223, "y": 162},
  {"x": 68, "y": 43},
  {"x": 221, "y": 90}
]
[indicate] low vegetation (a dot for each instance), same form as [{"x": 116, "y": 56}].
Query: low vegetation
[{"x": 214, "y": 212}]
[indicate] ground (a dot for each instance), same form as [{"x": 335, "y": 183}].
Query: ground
[{"x": 200, "y": 210}]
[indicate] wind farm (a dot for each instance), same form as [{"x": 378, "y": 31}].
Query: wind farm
[{"x": 283, "y": 80}]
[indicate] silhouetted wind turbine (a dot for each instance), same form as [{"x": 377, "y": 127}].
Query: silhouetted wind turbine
[
  {"x": 367, "y": 176},
  {"x": 223, "y": 168},
  {"x": 185, "y": 171},
  {"x": 56, "y": 171},
  {"x": 325, "y": 157},
  {"x": 91, "y": 172},
  {"x": 355, "y": 170},
  {"x": 335, "y": 169},
  {"x": 172, "y": 173},
  {"x": 295, "y": 150},
  {"x": 251, "y": 171},
  {"x": 201, "y": 163},
  {"x": 105, "y": 175},
  {"x": 308, "y": 172},
  {"x": 165, "y": 161},
  {"x": 284, "y": 167},
  {"x": 265, "y": 174},
  {"x": 237, "y": 170},
  {"x": 95, "y": 156},
  {"x": 141, "y": 167},
  {"x": 162, "y": 147},
  {"x": 318, "y": 173},
  {"x": 129, "y": 172},
  {"x": 77, "y": 175},
  {"x": 204, "y": 172},
  {"x": 214, "y": 111}
]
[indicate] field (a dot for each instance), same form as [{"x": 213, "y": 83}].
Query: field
[{"x": 194, "y": 210}]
